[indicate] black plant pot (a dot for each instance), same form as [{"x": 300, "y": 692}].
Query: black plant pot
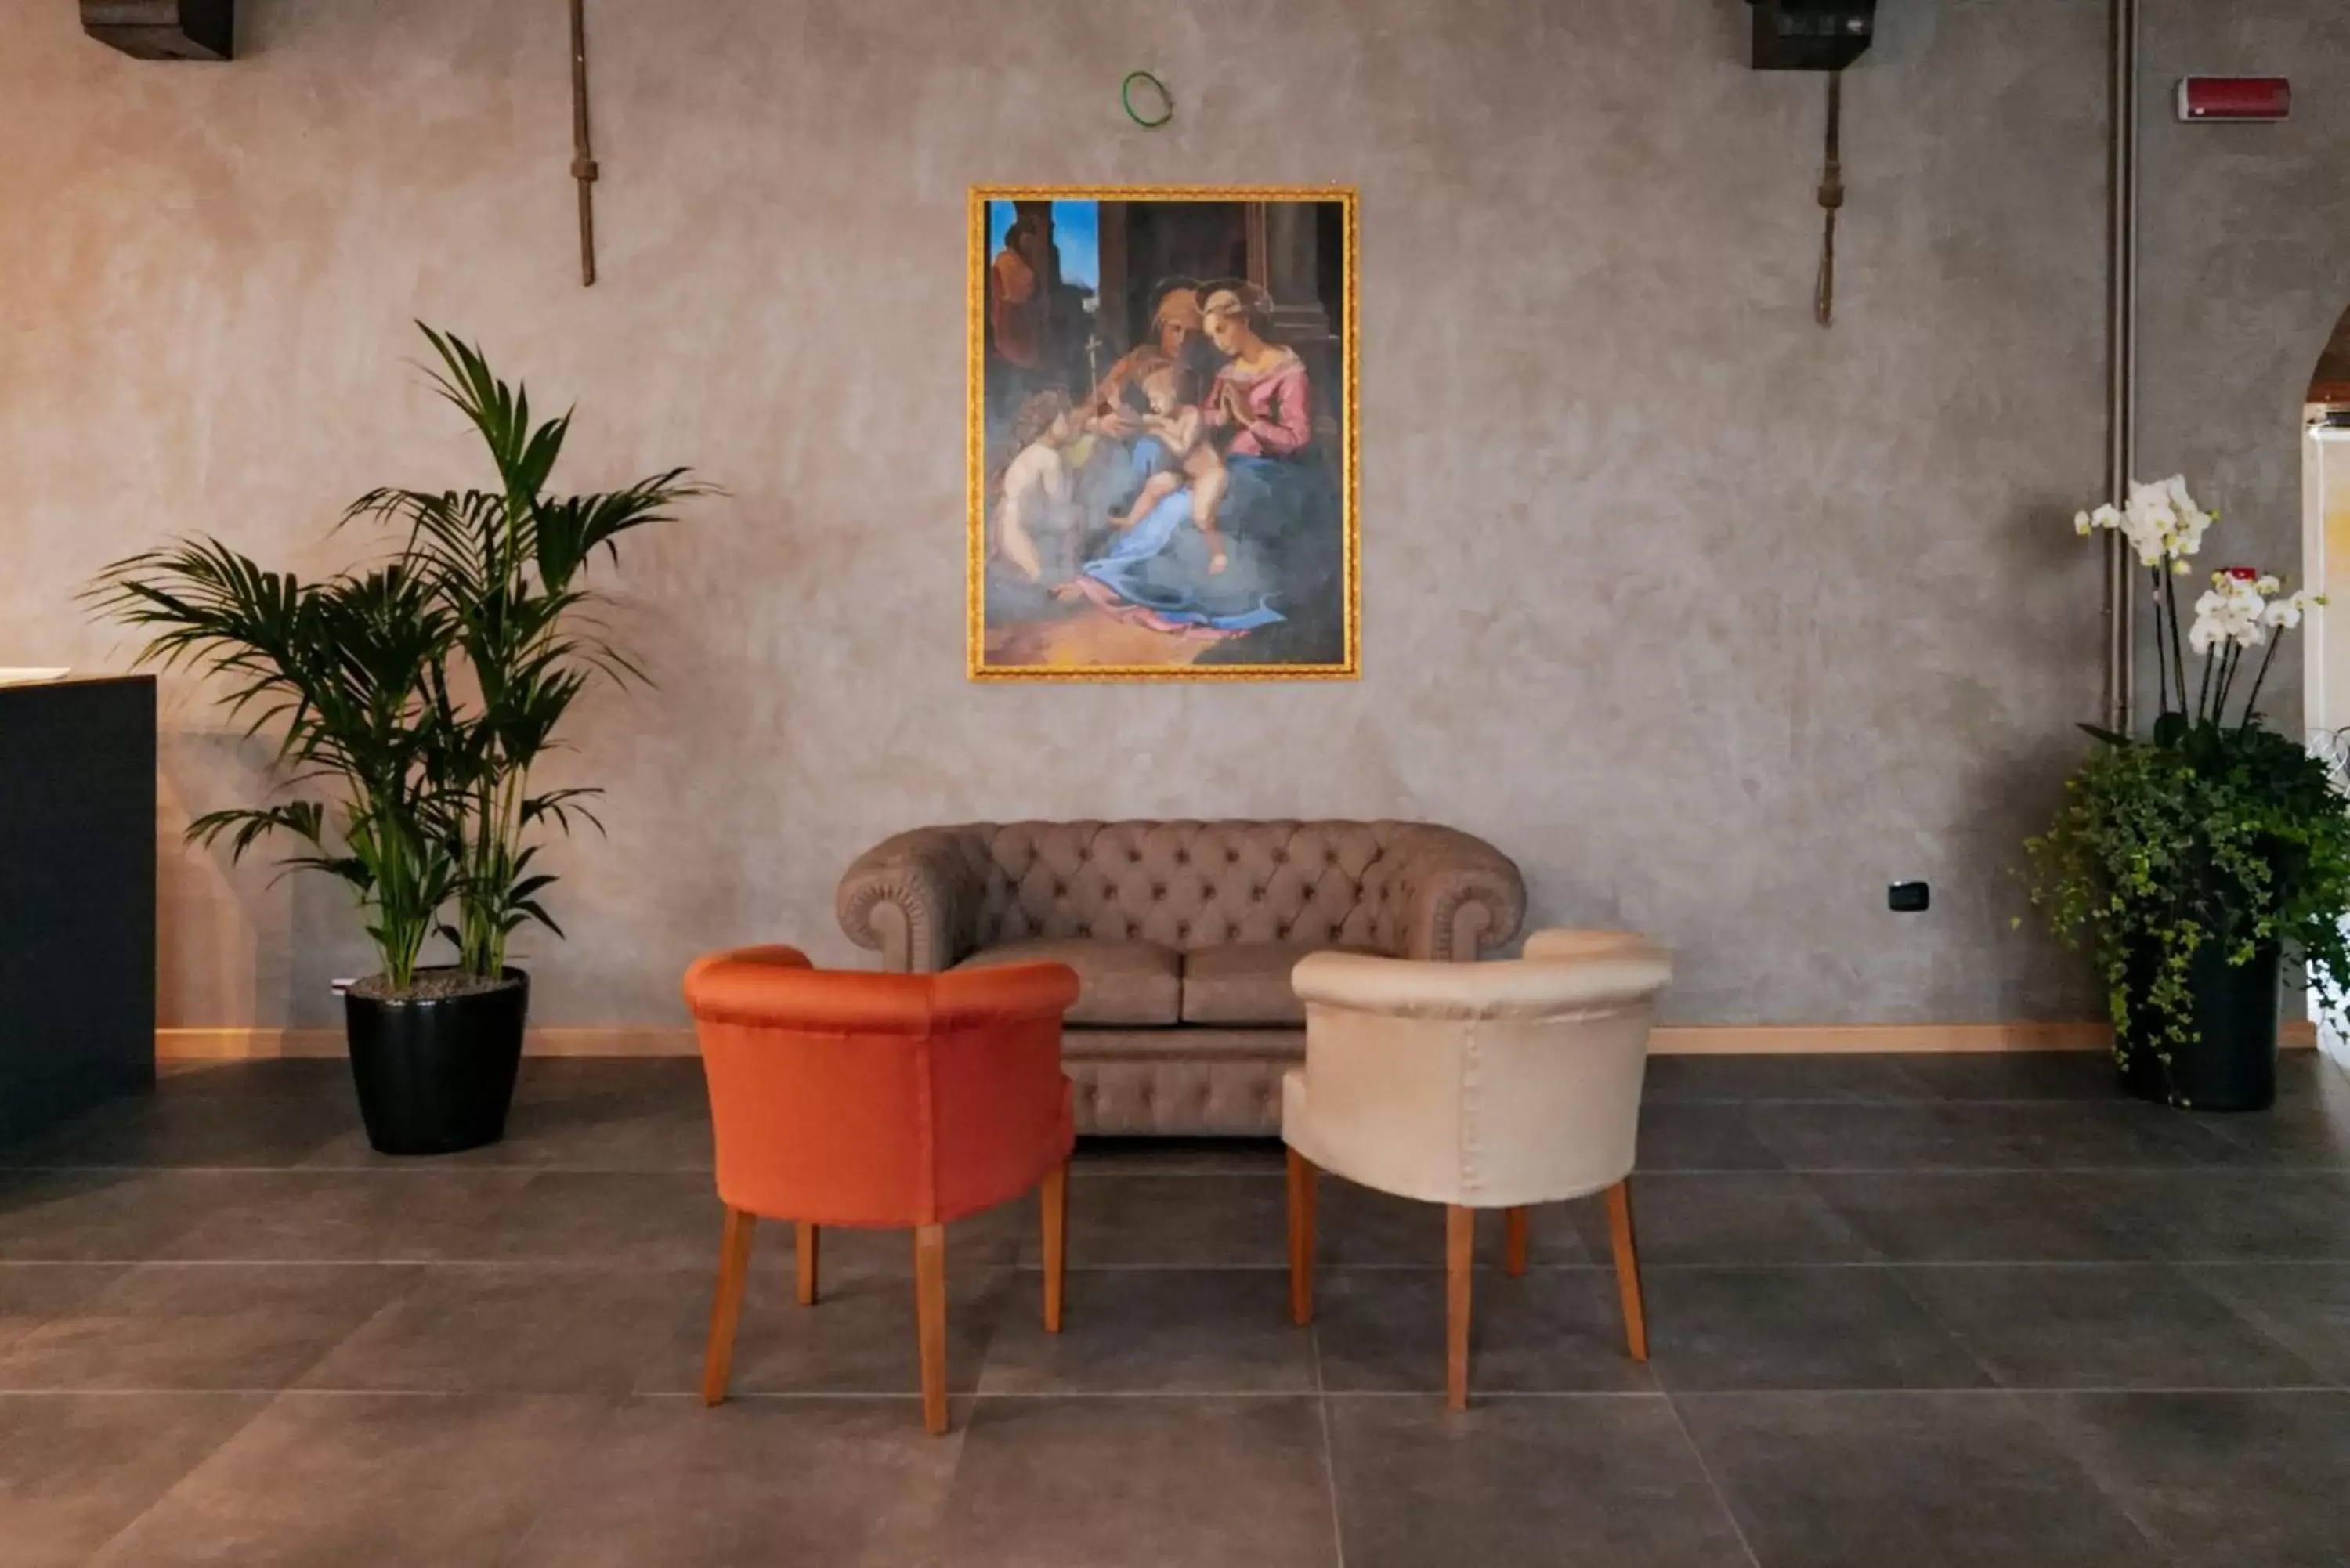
[
  {"x": 2230, "y": 1059},
  {"x": 436, "y": 1075}
]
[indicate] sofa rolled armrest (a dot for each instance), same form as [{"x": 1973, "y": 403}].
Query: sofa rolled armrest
[
  {"x": 914, "y": 900},
  {"x": 1461, "y": 896}
]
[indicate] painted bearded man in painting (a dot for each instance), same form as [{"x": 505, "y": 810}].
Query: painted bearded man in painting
[{"x": 1180, "y": 506}]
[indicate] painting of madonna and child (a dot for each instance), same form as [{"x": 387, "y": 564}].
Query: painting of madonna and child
[{"x": 1162, "y": 434}]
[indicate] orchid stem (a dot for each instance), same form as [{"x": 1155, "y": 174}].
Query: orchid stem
[
  {"x": 2161, "y": 665},
  {"x": 2251, "y": 702},
  {"x": 2178, "y": 658}
]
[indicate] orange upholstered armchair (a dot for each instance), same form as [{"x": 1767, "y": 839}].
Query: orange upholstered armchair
[{"x": 879, "y": 1100}]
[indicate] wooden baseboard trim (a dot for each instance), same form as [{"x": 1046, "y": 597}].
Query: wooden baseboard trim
[
  {"x": 1906, "y": 1039},
  {"x": 1669, "y": 1040},
  {"x": 272, "y": 1044},
  {"x": 1872, "y": 1039}
]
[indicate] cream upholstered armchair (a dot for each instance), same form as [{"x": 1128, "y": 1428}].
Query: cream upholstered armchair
[{"x": 1490, "y": 1085}]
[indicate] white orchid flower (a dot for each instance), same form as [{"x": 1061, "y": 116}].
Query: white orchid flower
[
  {"x": 2232, "y": 611},
  {"x": 2285, "y": 614},
  {"x": 2193, "y": 520},
  {"x": 2152, "y": 503},
  {"x": 2161, "y": 521}
]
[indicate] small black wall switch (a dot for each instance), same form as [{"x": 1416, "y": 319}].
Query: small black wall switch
[{"x": 1909, "y": 898}]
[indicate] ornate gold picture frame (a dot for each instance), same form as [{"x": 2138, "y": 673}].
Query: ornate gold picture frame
[{"x": 1162, "y": 440}]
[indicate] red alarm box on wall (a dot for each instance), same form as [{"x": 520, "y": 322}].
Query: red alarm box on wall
[{"x": 2239, "y": 99}]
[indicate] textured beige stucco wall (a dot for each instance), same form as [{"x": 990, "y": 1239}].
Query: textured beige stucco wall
[{"x": 1715, "y": 620}]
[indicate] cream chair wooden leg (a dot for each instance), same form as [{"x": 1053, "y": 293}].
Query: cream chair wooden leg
[
  {"x": 805, "y": 1240},
  {"x": 726, "y": 1310},
  {"x": 931, "y": 1310},
  {"x": 1513, "y": 1236},
  {"x": 1628, "y": 1268},
  {"x": 1300, "y": 1239},
  {"x": 1054, "y": 1198},
  {"x": 1460, "y": 1255}
]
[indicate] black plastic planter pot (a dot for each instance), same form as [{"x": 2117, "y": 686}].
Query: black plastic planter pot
[
  {"x": 436, "y": 1075},
  {"x": 2229, "y": 1062}
]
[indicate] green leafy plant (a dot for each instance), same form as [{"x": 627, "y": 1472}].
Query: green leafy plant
[
  {"x": 2212, "y": 833},
  {"x": 417, "y": 695}
]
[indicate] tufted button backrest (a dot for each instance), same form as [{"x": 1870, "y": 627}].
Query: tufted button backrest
[{"x": 1198, "y": 884}]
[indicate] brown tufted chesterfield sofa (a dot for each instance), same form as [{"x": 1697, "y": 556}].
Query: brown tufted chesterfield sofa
[{"x": 1182, "y": 935}]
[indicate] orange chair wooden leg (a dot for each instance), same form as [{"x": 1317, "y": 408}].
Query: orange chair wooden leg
[
  {"x": 1513, "y": 1236},
  {"x": 1628, "y": 1268},
  {"x": 1460, "y": 1254},
  {"x": 726, "y": 1311},
  {"x": 805, "y": 1237},
  {"x": 930, "y": 1307},
  {"x": 1300, "y": 1239},
  {"x": 1054, "y": 1197}
]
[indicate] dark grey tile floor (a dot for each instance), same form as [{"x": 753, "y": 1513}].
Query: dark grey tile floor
[{"x": 1926, "y": 1310}]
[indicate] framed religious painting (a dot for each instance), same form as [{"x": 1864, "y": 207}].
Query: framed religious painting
[{"x": 1161, "y": 444}]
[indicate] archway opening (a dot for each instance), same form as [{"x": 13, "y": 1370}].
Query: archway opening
[
  {"x": 2326, "y": 533},
  {"x": 2325, "y": 564}
]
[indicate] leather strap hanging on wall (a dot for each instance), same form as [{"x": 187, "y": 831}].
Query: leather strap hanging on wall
[
  {"x": 583, "y": 158},
  {"x": 1831, "y": 201}
]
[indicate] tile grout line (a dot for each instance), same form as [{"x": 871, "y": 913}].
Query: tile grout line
[
  {"x": 2248, "y": 1315},
  {"x": 639, "y": 1267},
  {"x": 2154, "y": 1545},
  {"x": 1981, "y": 1361},
  {"x": 548, "y": 1504},
  {"x": 266, "y": 1400},
  {"x": 1714, "y": 1485},
  {"x": 1329, "y": 1451},
  {"x": 2103, "y": 1391},
  {"x": 2208, "y": 1167},
  {"x": 873, "y": 1396}
]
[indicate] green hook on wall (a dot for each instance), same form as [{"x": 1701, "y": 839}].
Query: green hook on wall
[{"x": 1166, "y": 100}]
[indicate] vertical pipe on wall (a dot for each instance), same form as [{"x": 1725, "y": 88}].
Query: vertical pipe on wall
[
  {"x": 582, "y": 156},
  {"x": 2121, "y": 404}
]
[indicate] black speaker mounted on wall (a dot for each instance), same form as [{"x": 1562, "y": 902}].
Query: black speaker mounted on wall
[
  {"x": 164, "y": 29},
  {"x": 1811, "y": 35}
]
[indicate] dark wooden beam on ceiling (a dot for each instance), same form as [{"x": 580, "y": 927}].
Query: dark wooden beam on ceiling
[{"x": 164, "y": 29}]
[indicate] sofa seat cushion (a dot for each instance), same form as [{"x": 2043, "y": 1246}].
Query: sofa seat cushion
[
  {"x": 1120, "y": 984},
  {"x": 1193, "y": 1042},
  {"x": 1245, "y": 984}
]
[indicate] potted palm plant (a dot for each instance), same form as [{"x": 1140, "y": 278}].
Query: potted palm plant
[
  {"x": 2195, "y": 859},
  {"x": 413, "y": 698}
]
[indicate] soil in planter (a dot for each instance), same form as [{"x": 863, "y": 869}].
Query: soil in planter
[{"x": 430, "y": 985}]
